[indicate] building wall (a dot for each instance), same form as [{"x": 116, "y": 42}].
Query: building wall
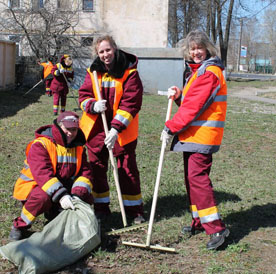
[
  {"x": 7, "y": 64},
  {"x": 158, "y": 68},
  {"x": 137, "y": 23}
]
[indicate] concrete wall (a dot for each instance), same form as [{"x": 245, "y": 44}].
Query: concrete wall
[
  {"x": 7, "y": 64},
  {"x": 158, "y": 68},
  {"x": 137, "y": 23}
]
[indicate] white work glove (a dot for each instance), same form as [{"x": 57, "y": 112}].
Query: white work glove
[
  {"x": 100, "y": 106},
  {"x": 62, "y": 70},
  {"x": 66, "y": 202},
  {"x": 173, "y": 92},
  {"x": 166, "y": 137},
  {"x": 77, "y": 198},
  {"x": 111, "y": 138}
]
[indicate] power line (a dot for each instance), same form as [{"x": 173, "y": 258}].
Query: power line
[{"x": 261, "y": 9}]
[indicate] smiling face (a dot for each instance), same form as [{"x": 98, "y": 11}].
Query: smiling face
[
  {"x": 68, "y": 61},
  {"x": 106, "y": 53},
  {"x": 197, "y": 52}
]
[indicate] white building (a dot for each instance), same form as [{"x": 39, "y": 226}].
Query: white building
[{"x": 134, "y": 24}]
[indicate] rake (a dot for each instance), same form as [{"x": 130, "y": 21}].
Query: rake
[
  {"x": 154, "y": 201},
  {"x": 32, "y": 87},
  {"x": 68, "y": 85},
  {"x": 111, "y": 157}
]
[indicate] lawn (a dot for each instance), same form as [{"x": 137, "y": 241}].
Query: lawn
[{"x": 243, "y": 175}]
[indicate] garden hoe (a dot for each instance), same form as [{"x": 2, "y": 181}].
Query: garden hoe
[
  {"x": 68, "y": 85},
  {"x": 33, "y": 87},
  {"x": 154, "y": 201}
]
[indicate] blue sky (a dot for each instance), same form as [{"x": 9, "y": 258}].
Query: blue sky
[{"x": 258, "y": 8}]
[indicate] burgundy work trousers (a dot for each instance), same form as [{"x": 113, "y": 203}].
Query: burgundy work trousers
[
  {"x": 197, "y": 167},
  {"x": 129, "y": 178}
]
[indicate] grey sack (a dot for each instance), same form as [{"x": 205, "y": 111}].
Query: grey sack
[{"x": 63, "y": 241}]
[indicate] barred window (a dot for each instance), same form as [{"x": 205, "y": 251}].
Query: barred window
[
  {"x": 14, "y": 3},
  {"x": 88, "y": 5},
  {"x": 37, "y": 4},
  {"x": 64, "y": 4},
  {"x": 86, "y": 41}
]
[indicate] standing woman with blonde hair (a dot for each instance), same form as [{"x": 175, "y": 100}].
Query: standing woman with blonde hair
[
  {"x": 197, "y": 128},
  {"x": 121, "y": 91}
]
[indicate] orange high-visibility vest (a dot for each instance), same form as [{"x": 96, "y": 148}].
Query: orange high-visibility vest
[
  {"x": 208, "y": 128},
  {"x": 88, "y": 120},
  {"x": 25, "y": 183},
  {"x": 47, "y": 68}
]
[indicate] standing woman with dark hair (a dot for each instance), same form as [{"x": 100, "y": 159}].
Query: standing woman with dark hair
[
  {"x": 197, "y": 128},
  {"x": 121, "y": 90}
]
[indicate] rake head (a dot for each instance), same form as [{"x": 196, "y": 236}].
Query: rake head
[{"x": 126, "y": 229}]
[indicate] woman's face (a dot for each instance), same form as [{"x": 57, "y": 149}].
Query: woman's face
[
  {"x": 70, "y": 133},
  {"x": 106, "y": 53},
  {"x": 197, "y": 52},
  {"x": 68, "y": 61}
]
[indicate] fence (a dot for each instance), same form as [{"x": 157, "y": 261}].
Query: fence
[{"x": 7, "y": 64}]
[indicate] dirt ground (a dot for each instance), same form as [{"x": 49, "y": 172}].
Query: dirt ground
[{"x": 191, "y": 256}]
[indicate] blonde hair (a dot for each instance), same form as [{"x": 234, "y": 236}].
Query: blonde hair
[
  {"x": 199, "y": 38},
  {"x": 107, "y": 38}
]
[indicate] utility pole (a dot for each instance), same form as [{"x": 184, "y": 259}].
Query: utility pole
[{"x": 239, "y": 51}]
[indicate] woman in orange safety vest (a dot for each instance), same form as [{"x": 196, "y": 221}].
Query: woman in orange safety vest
[
  {"x": 55, "y": 172},
  {"x": 197, "y": 128},
  {"x": 121, "y": 91}
]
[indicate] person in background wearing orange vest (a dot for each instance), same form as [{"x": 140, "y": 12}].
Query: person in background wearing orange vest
[
  {"x": 55, "y": 173},
  {"x": 197, "y": 128},
  {"x": 121, "y": 90},
  {"x": 45, "y": 73},
  {"x": 63, "y": 74}
]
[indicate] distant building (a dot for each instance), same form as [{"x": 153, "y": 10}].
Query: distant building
[{"x": 133, "y": 24}]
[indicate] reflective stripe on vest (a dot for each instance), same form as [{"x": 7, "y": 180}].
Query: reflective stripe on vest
[
  {"x": 25, "y": 183},
  {"x": 88, "y": 120},
  {"x": 206, "y": 131},
  {"x": 60, "y": 66},
  {"x": 47, "y": 68}
]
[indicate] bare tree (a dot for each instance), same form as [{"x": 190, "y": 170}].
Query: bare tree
[
  {"x": 184, "y": 16},
  {"x": 269, "y": 35},
  {"x": 44, "y": 30}
]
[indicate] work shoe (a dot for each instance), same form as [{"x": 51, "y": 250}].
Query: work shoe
[
  {"x": 139, "y": 220},
  {"x": 102, "y": 215},
  {"x": 189, "y": 230},
  {"x": 16, "y": 234},
  {"x": 217, "y": 239}
]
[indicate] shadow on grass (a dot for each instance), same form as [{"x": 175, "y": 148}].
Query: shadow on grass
[
  {"x": 173, "y": 206},
  {"x": 13, "y": 101},
  {"x": 243, "y": 222},
  {"x": 167, "y": 207}
]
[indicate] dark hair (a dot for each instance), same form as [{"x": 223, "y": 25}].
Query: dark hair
[{"x": 200, "y": 38}]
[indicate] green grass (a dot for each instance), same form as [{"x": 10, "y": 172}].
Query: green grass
[{"x": 243, "y": 176}]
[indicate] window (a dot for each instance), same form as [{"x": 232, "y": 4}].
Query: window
[
  {"x": 37, "y": 4},
  {"x": 86, "y": 41},
  {"x": 14, "y": 4},
  {"x": 63, "y": 4},
  {"x": 16, "y": 39},
  {"x": 87, "y": 5}
]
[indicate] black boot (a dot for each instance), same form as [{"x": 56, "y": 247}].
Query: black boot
[
  {"x": 190, "y": 230},
  {"x": 217, "y": 239},
  {"x": 16, "y": 234}
]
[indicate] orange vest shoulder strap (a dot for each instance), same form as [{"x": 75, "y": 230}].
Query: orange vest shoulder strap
[
  {"x": 51, "y": 148},
  {"x": 79, "y": 159}
]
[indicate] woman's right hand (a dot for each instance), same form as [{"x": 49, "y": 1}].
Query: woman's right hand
[{"x": 174, "y": 92}]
